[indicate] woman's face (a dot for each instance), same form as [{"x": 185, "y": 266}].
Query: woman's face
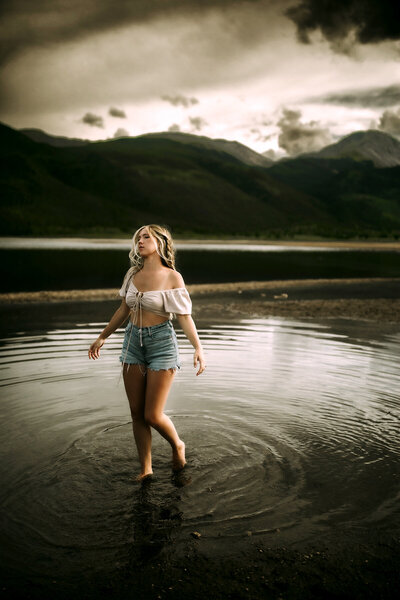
[{"x": 147, "y": 244}]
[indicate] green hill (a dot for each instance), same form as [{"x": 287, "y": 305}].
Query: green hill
[
  {"x": 363, "y": 200},
  {"x": 116, "y": 185}
]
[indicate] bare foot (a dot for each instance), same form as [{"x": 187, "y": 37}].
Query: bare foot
[
  {"x": 178, "y": 457},
  {"x": 144, "y": 475}
]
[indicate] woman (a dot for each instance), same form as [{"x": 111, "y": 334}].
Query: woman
[{"x": 152, "y": 289}]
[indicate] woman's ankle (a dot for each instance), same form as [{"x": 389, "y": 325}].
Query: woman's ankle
[{"x": 144, "y": 475}]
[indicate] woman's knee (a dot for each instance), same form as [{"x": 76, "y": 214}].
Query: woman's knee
[
  {"x": 137, "y": 414},
  {"x": 152, "y": 418}
]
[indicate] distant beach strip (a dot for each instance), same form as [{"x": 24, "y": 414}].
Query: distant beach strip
[{"x": 376, "y": 299}]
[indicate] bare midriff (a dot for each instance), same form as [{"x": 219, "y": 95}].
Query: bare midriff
[{"x": 148, "y": 319}]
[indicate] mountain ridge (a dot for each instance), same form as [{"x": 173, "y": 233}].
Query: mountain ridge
[
  {"x": 113, "y": 185},
  {"x": 236, "y": 149},
  {"x": 381, "y": 148},
  {"x": 40, "y": 136},
  {"x": 371, "y": 144}
]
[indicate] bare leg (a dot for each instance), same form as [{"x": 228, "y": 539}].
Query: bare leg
[
  {"x": 157, "y": 389},
  {"x": 135, "y": 386}
]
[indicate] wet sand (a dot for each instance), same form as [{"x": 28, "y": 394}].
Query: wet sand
[
  {"x": 372, "y": 299},
  {"x": 259, "y": 572},
  {"x": 376, "y": 299},
  {"x": 264, "y": 573}
]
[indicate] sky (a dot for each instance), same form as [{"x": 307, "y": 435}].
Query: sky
[{"x": 280, "y": 76}]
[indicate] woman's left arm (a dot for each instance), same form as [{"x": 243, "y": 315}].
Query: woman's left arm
[{"x": 189, "y": 329}]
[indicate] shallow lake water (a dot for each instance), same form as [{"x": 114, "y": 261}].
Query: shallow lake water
[
  {"x": 292, "y": 436},
  {"x": 28, "y": 264}
]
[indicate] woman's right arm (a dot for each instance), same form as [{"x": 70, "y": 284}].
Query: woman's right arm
[{"x": 116, "y": 321}]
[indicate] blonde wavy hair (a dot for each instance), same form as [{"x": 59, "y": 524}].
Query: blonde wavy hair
[{"x": 165, "y": 249}]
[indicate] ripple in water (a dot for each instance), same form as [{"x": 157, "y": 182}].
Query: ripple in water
[{"x": 292, "y": 434}]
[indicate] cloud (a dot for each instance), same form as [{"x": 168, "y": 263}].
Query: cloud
[
  {"x": 28, "y": 24},
  {"x": 363, "y": 21},
  {"x": 93, "y": 120},
  {"x": 178, "y": 53},
  {"x": 258, "y": 134},
  {"x": 174, "y": 128},
  {"x": 117, "y": 112},
  {"x": 367, "y": 98},
  {"x": 179, "y": 100},
  {"x": 296, "y": 137},
  {"x": 121, "y": 132},
  {"x": 197, "y": 123},
  {"x": 390, "y": 121},
  {"x": 242, "y": 63}
]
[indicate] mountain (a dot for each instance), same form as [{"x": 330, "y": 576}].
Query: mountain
[
  {"x": 37, "y": 135},
  {"x": 239, "y": 151},
  {"x": 382, "y": 149},
  {"x": 115, "y": 185},
  {"x": 194, "y": 186}
]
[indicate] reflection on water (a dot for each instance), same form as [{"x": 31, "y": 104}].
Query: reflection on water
[
  {"x": 32, "y": 264},
  {"x": 74, "y": 268},
  {"x": 292, "y": 434}
]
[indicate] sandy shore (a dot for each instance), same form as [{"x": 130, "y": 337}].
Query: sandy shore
[{"x": 369, "y": 298}]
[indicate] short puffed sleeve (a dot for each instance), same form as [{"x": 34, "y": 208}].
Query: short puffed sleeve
[
  {"x": 124, "y": 288},
  {"x": 177, "y": 301}
]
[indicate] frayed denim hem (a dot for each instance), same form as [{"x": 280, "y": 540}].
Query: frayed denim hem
[
  {"x": 143, "y": 368},
  {"x": 164, "y": 368}
]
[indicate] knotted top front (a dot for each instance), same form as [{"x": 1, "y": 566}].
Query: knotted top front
[
  {"x": 165, "y": 303},
  {"x": 137, "y": 309}
]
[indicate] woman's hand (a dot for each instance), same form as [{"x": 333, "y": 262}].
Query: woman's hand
[
  {"x": 199, "y": 358},
  {"x": 94, "y": 350}
]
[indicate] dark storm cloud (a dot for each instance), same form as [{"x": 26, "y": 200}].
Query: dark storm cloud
[
  {"x": 371, "y": 21},
  {"x": 93, "y": 120},
  {"x": 42, "y": 22},
  {"x": 179, "y": 100},
  {"x": 27, "y": 24},
  {"x": 297, "y": 137},
  {"x": 197, "y": 123},
  {"x": 367, "y": 98},
  {"x": 117, "y": 112},
  {"x": 390, "y": 122}
]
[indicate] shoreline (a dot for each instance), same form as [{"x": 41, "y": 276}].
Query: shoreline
[
  {"x": 376, "y": 299},
  {"x": 351, "y": 244},
  {"x": 6, "y": 242}
]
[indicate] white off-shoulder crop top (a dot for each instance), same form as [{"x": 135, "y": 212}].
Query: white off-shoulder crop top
[{"x": 165, "y": 303}]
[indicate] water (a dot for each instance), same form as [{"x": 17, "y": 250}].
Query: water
[
  {"x": 292, "y": 437},
  {"x": 51, "y": 264}
]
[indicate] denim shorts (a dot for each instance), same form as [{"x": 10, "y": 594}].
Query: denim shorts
[{"x": 155, "y": 347}]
